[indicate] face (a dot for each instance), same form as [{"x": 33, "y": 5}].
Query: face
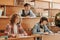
[
  {"x": 44, "y": 22},
  {"x": 17, "y": 20},
  {"x": 58, "y": 17},
  {"x": 27, "y": 8}
]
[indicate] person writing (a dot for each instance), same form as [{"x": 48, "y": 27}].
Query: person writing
[
  {"x": 14, "y": 27},
  {"x": 41, "y": 27}
]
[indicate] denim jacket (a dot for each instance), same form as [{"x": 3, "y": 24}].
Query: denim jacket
[{"x": 36, "y": 29}]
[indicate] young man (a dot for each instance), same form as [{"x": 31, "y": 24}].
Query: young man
[
  {"x": 27, "y": 12},
  {"x": 41, "y": 27}
]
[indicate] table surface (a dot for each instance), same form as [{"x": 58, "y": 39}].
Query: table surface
[
  {"x": 51, "y": 37},
  {"x": 44, "y": 37}
]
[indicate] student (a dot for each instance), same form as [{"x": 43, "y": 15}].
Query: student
[
  {"x": 57, "y": 20},
  {"x": 27, "y": 12},
  {"x": 41, "y": 27},
  {"x": 14, "y": 27}
]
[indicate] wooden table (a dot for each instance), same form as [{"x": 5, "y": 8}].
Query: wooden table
[
  {"x": 23, "y": 38},
  {"x": 51, "y": 37},
  {"x": 55, "y": 36},
  {"x": 43, "y": 37}
]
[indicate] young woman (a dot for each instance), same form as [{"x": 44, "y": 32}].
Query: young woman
[{"x": 14, "y": 27}]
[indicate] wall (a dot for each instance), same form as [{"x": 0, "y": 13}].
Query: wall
[{"x": 6, "y": 2}]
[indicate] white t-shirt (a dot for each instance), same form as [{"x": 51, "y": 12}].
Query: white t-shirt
[{"x": 15, "y": 29}]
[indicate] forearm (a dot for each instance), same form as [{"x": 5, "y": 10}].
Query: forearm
[
  {"x": 25, "y": 33},
  {"x": 38, "y": 32}
]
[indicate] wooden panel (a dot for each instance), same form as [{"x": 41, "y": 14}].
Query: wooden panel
[
  {"x": 6, "y": 2},
  {"x": 51, "y": 37},
  {"x": 28, "y": 23},
  {"x": 22, "y": 38},
  {"x": 41, "y": 5},
  {"x": 3, "y": 23},
  {"x": 55, "y": 29},
  {"x": 56, "y": 1},
  {"x": 54, "y": 12},
  {"x": 56, "y": 5},
  {"x": 44, "y": 0},
  {"x": 12, "y": 10},
  {"x": 47, "y": 0}
]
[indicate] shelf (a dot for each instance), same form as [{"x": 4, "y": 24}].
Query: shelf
[
  {"x": 30, "y": 17},
  {"x": 24, "y": 17},
  {"x": 43, "y": 1},
  {"x": 21, "y": 17},
  {"x": 51, "y": 9},
  {"x": 4, "y": 17},
  {"x": 55, "y": 5},
  {"x": 49, "y": 1},
  {"x": 11, "y": 5},
  {"x": 41, "y": 5},
  {"x": 47, "y": 8}
]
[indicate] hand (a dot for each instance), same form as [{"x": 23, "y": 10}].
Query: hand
[
  {"x": 13, "y": 35},
  {"x": 27, "y": 16},
  {"x": 46, "y": 33},
  {"x": 19, "y": 35},
  {"x": 26, "y": 34}
]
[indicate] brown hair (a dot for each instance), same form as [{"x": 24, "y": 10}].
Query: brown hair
[{"x": 13, "y": 18}]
